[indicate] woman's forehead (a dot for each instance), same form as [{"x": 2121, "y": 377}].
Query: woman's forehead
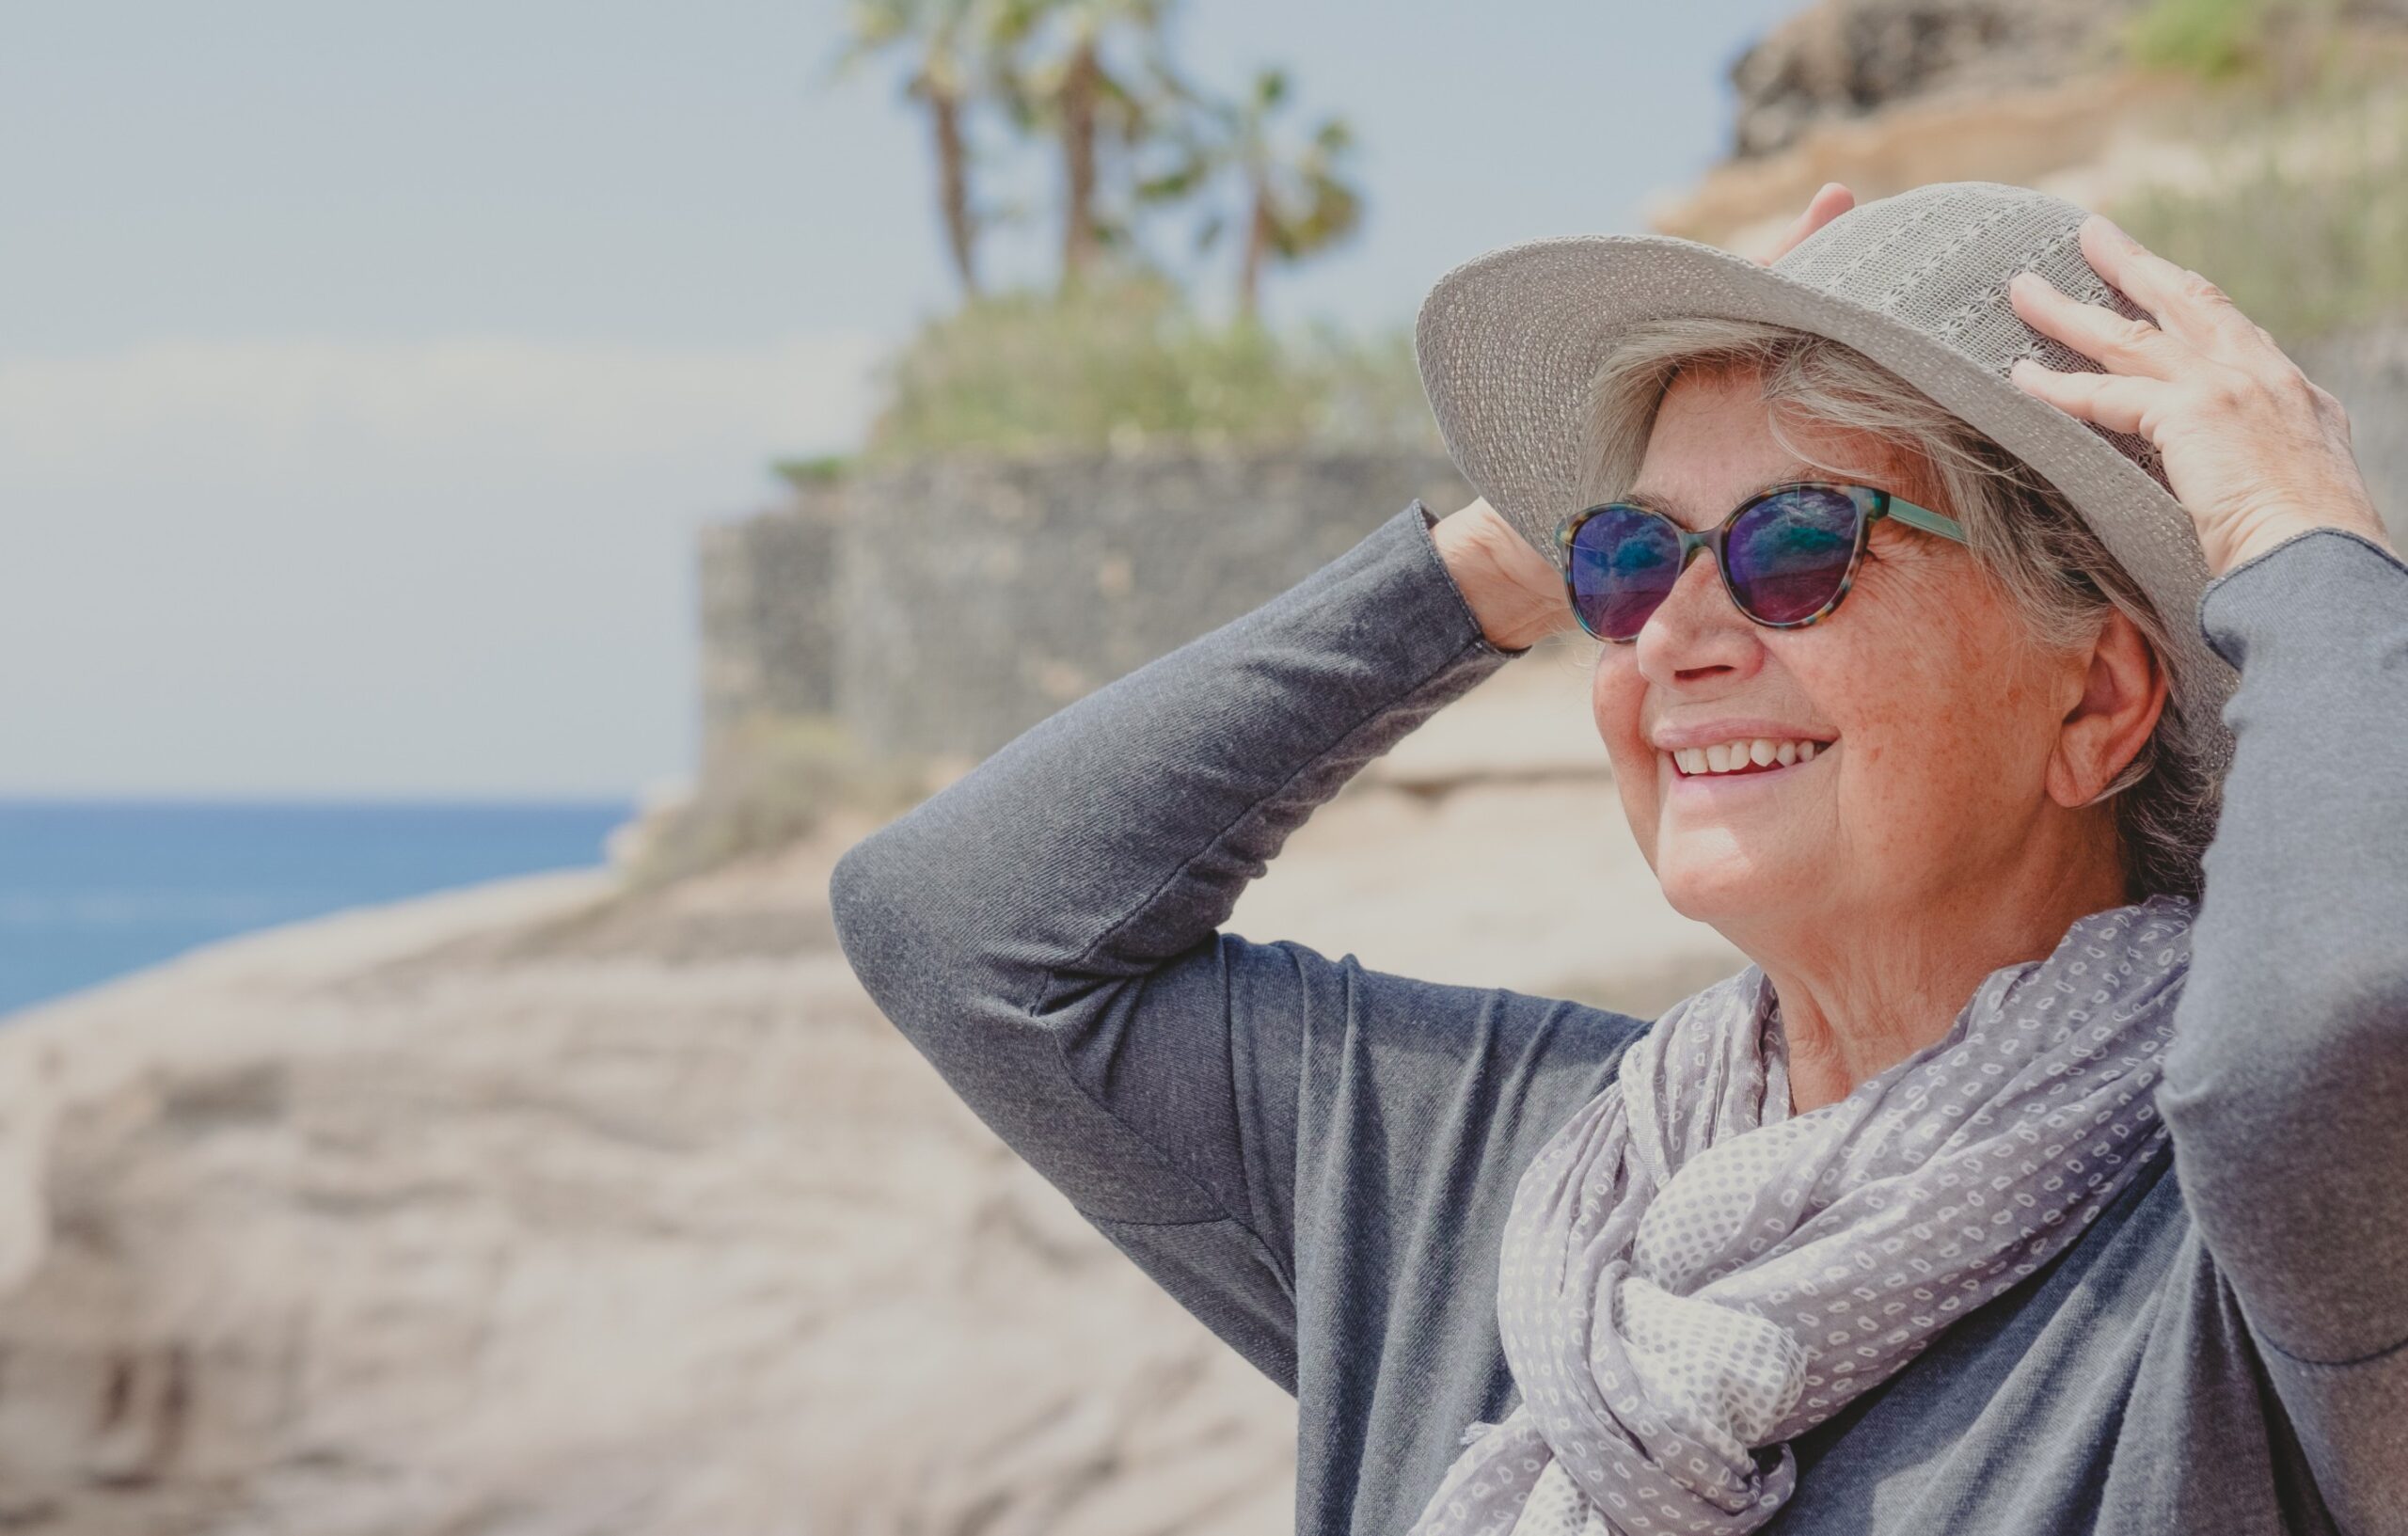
[{"x": 1697, "y": 479}]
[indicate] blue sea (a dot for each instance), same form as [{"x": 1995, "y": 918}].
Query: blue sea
[{"x": 92, "y": 888}]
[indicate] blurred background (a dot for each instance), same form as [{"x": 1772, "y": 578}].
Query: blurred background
[{"x": 495, "y": 497}]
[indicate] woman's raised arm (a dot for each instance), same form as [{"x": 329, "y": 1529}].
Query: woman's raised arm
[
  {"x": 2285, "y": 1085},
  {"x": 2285, "y": 1089},
  {"x": 1044, "y": 931}
]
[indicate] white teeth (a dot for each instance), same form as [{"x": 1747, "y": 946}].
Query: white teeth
[{"x": 1729, "y": 756}]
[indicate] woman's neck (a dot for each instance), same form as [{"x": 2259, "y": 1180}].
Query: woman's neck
[{"x": 1859, "y": 994}]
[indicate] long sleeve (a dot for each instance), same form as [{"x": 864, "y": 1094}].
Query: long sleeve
[
  {"x": 2285, "y": 1089},
  {"x": 1045, "y": 931}
]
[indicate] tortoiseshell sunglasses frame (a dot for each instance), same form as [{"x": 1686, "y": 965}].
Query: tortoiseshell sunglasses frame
[{"x": 1872, "y": 505}]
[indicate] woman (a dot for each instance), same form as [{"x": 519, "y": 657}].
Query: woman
[{"x": 2016, "y": 1185}]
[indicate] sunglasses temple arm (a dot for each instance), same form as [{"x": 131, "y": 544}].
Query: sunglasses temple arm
[{"x": 1929, "y": 521}]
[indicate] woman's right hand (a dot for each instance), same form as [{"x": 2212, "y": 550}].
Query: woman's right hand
[{"x": 1516, "y": 593}]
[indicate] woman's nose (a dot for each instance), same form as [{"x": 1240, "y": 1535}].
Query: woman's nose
[{"x": 1696, "y": 624}]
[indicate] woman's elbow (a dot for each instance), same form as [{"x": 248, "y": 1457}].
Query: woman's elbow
[{"x": 892, "y": 943}]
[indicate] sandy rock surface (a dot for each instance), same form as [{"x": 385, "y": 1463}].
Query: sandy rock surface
[{"x": 538, "y": 1208}]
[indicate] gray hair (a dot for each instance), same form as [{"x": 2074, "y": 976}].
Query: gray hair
[{"x": 2023, "y": 534}]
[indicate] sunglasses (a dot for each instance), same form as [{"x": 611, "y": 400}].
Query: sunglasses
[{"x": 1787, "y": 554}]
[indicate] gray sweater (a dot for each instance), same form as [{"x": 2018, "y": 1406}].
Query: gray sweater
[{"x": 1316, "y": 1158}]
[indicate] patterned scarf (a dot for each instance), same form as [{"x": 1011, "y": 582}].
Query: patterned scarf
[{"x": 1693, "y": 1274}]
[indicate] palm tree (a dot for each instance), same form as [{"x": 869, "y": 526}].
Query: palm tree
[
  {"x": 1057, "y": 75},
  {"x": 949, "y": 44},
  {"x": 1294, "y": 198}
]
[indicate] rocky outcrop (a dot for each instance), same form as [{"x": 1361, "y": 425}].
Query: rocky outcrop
[
  {"x": 1845, "y": 59},
  {"x": 1848, "y": 61},
  {"x": 1885, "y": 95},
  {"x": 590, "y": 1215}
]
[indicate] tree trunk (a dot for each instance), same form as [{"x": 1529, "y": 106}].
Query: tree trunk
[
  {"x": 1078, "y": 164},
  {"x": 953, "y": 186},
  {"x": 1257, "y": 240}
]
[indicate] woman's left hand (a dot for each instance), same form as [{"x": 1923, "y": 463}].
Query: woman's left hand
[{"x": 2254, "y": 450}]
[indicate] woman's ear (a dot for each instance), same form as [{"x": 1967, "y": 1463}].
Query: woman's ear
[{"x": 2123, "y": 693}]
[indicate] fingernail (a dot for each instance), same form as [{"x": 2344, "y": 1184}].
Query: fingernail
[{"x": 2117, "y": 232}]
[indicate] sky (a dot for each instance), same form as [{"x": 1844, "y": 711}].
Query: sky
[{"x": 367, "y": 370}]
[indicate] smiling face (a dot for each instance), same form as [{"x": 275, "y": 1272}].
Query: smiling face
[{"x": 1935, "y": 711}]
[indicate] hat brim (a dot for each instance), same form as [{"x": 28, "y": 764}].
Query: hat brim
[{"x": 1509, "y": 343}]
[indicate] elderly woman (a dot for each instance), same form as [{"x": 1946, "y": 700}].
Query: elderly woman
[{"x": 2047, "y": 1168}]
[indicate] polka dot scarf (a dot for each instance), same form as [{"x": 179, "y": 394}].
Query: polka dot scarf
[{"x": 1693, "y": 1275}]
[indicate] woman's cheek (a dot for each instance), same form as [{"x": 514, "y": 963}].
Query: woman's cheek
[
  {"x": 1922, "y": 796},
  {"x": 1615, "y": 699}
]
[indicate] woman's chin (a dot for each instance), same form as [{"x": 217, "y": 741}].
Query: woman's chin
[{"x": 1717, "y": 885}]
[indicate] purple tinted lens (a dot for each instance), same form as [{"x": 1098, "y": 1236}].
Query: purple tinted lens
[
  {"x": 1788, "y": 556},
  {"x": 1623, "y": 563}
]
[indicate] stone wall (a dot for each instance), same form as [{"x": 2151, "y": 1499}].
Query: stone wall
[
  {"x": 939, "y": 608},
  {"x": 769, "y": 629}
]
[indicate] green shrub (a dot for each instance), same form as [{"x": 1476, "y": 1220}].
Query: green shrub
[
  {"x": 2211, "y": 38},
  {"x": 2303, "y": 219},
  {"x": 806, "y": 473},
  {"x": 1124, "y": 363}
]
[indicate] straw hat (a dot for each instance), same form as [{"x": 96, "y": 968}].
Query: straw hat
[{"x": 1508, "y": 342}]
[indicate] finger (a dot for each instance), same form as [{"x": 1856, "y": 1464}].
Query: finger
[
  {"x": 2186, "y": 305},
  {"x": 1830, "y": 201},
  {"x": 2117, "y": 343},
  {"x": 2118, "y": 401}
]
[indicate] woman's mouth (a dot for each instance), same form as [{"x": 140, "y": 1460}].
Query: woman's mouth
[{"x": 1754, "y": 762}]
